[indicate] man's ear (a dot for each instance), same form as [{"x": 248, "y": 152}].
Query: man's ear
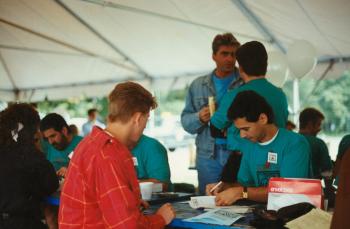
[
  {"x": 136, "y": 117},
  {"x": 213, "y": 56},
  {"x": 263, "y": 119},
  {"x": 65, "y": 131}
]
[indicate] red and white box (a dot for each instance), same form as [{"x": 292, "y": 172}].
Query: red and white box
[{"x": 283, "y": 192}]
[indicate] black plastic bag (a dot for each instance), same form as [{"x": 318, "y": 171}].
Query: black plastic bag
[{"x": 277, "y": 219}]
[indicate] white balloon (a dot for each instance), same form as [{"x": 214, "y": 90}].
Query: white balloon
[
  {"x": 301, "y": 58},
  {"x": 277, "y": 69}
]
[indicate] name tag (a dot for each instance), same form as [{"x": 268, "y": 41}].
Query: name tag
[
  {"x": 71, "y": 155},
  {"x": 134, "y": 159},
  {"x": 272, "y": 157}
]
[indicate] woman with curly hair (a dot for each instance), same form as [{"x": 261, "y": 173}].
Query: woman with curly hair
[{"x": 26, "y": 177}]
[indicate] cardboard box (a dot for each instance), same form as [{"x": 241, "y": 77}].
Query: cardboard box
[{"x": 288, "y": 191}]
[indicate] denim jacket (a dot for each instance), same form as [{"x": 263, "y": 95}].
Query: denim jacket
[{"x": 197, "y": 97}]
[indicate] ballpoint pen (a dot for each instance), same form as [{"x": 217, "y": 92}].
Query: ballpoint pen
[{"x": 215, "y": 187}]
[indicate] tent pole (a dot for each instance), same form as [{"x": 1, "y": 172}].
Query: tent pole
[
  {"x": 257, "y": 22},
  {"x": 9, "y": 75},
  {"x": 65, "y": 44},
  {"x": 104, "y": 39},
  {"x": 296, "y": 101},
  {"x": 115, "y": 5}
]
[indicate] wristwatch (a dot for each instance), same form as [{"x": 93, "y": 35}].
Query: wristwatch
[{"x": 245, "y": 193}]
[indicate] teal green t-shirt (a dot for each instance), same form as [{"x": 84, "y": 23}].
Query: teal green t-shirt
[
  {"x": 285, "y": 156},
  {"x": 221, "y": 86},
  {"x": 272, "y": 94},
  {"x": 320, "y": 158},
  {"x": 343, "y": 146},
  {"x": 59, "y": 158},
  {"x": 152, "y": 160}
]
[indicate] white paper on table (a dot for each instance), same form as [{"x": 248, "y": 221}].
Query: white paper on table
[
  {"x": 184, "y": 202},
  {"x": 280, "y": 200},
  {"x": 315, "y": 219},
  {"x": 233, "y": 208},
  {"x": 202, "y": 202},
  {"x": 216, "y": 216}
]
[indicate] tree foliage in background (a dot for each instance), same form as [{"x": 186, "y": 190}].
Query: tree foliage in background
[
  {"x": 331, "y": 97},
  {"x": 75, "y": 107},
  {"x": 172, "y": 101}
]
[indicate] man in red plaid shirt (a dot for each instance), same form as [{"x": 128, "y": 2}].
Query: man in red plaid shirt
[{"x": 101, "y": 188}]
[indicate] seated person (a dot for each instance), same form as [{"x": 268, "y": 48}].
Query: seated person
[
  {"x": 310, "y": 121},
  {"x": 290, "y": 125},
  {"x": 151, "y": 161},
  {"x": 74, "y": 129},
  {"x": 58, "y": 145},
  {"x": 26, "y": 176},
  {"x": 342, "y": 203},
  {"x": 268, "y": 151},
  {"x": 344, "y": 146},
  {"x": 61, "y": 141},
  {"x": 252, "y": 59}
]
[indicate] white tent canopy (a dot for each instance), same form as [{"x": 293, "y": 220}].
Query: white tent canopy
[{"x": 61, "y": 48}]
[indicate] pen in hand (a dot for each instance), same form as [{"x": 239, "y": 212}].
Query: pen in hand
[{"x": 215, "y": 187}]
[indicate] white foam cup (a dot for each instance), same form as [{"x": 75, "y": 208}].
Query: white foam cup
[{"x": 146, "y": 190}]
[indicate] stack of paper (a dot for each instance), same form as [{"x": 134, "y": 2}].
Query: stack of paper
[
  {"x": 208, "y": 203},
  {"x": 233, "y": 208},
  {"x": 216, "y": 216},
  {"x": 315, "y": 219},
  {"x": 202, "y": 202}
]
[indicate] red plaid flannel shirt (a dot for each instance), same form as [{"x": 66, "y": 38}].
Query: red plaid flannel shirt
[{"x": 101, "y": 188}]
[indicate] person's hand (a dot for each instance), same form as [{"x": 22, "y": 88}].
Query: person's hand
[
  {"x": 229, "y": 196},
  {"x": 144, "y": 204},
  {"x": 62, "y": 172},
  {"x": 204, "y": 114},
  {"x": 167, "y": 212},
  {"x": 215, "y": 192}
]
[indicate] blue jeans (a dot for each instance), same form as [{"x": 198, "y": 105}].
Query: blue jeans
[{"x": 209, "y": 169}]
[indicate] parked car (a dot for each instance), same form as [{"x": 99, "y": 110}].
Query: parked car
[{"x": 170, "y": 134}]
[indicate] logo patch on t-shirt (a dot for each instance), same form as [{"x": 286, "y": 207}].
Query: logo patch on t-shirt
[{"x": 71, "y": 155}]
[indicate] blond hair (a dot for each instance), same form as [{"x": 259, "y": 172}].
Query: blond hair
[{"x": 128, "y": 98}]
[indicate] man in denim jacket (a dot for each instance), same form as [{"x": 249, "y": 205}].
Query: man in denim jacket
[{"x": 211, "y": 152}]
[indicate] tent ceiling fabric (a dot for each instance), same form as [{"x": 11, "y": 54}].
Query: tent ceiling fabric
[{"x": 60, "y": 48}]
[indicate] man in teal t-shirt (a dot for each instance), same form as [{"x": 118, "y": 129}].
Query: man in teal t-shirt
[
  {"x": 287, "y": 146},
  {"x": 310, "y": 122},
  {"x": 343, "y": 145},
  {"x": 252, "y": 59},
  {"x": 60, "y": 141},
  {"x": 151, "y": 161},
  {"x": 268, "y": 151},
  {"x": 211, "y": 151}
]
